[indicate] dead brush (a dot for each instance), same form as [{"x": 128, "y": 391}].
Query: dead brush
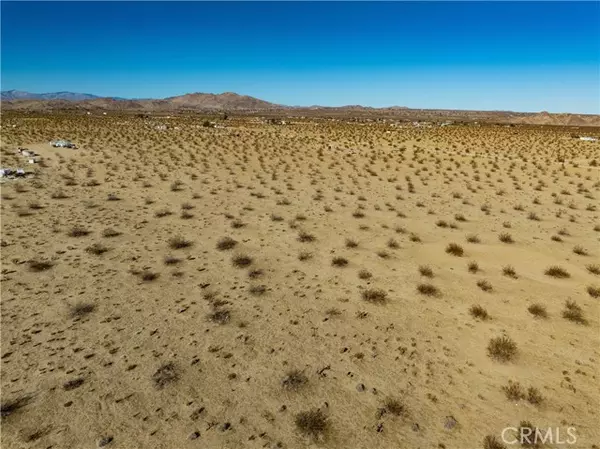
[
  {"x": 538, "y": 310},
  {"x": 479, "y": 312},
  {"x": 313, "y": 424},
  {"x": 166, "y": 374},
  {"x": 428, "y": 290},
  {"x": 455, "y": 249},
  {"x": 78, "y": 231},
  {"x": 573, "y": 312},
  {"x": 81, "y": 309},
  {"x": 305, "y": 237},
  {"x": 39, "y": 265},
  {"x": 220, "y": 317},
  {"x": 226, "y": 243},
  {"x": 97, "y": 249},
  {"x": 375, "y": 296},
  {"x": 426, "y": 271},
  {"x": 179, "y": 242},
  {"x": 294, "y": 380},
  {"x": 556, "y": 271},
  {"x": 242, "y": 261},
  {"x": 593, "y": 291},
  {"x": 513, "y": 391},
  {"x": 339, "y": 262},
  {"x": 503, "y": 349}
]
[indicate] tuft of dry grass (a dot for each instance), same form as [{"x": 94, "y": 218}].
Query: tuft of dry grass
[
  {"x": 557, "y": 272},
  {"x": 339, "y": 262},
  {"x": 426, "y": 271},
  {"x": 220, "y": 316},
  {"x": 509, "y": 271},
  {"x": 312, "y": 423},
  {"x": 538, "y": 310},
  {"x": 593, "y": 291},
  {"x": 81, "y": 309},
  {"x": 573, "y": 312},
  {"x": 484, "y": 285},
  {"x": 502, "y": 349},
  {"x": 455, "y": 249},
  {"x": 166, "y": 374},
  {"x": 491, "y": 442},
  {"x": 477, "y": 311},
  {"x": 40, "y": 265},
  {"x": 428, "y": 290},
  {"x": 97, "y": 249},
  {"x": 305, "y": 237},
  {"x": 513, "y": 391},
  {"x": 294, "y": 380},
  {"x": 242, "y": 261},
  {"x": 376, "y": 296},
  {"x": 505, "y": 237},
  {"x": 78, "y": 231},
  {"x": 226, "y": 243},
  {"x": 179, "y": 242}
]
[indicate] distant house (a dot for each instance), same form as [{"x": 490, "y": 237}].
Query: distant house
[{"x": 62, "y": 144}]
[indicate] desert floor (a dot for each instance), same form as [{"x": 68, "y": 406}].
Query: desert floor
[{"x": 206, "y": 287}]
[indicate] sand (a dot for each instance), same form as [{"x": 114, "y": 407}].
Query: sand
[{"x": 152, "y": 336}]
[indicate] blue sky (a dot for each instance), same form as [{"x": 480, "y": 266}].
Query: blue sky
[{"x": 522, "y": 56}]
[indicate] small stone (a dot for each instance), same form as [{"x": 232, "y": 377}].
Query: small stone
[
  {"x": 104, "y": 441},
  {"x": 360, "y": 387},
  {"x": 416, "y": 427},
  {"x": 194, "y": 435},
  {"x": 380, "y": 427},
  {"x": 450, "y": 422},
  {"x": 225, "y": 427}
]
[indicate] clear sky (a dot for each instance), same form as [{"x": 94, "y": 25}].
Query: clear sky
[{"x": 521, "y": 56}]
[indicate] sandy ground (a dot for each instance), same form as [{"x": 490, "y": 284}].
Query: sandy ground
[{"x": 135, "y": 339}]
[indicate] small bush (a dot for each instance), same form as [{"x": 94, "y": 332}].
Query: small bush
[
  {"x": 305, "y": 237},
  {"x": 509, "y": 271},
  {"x": 593, "y": 291},
  {"x": 573, "y": 313},
  {"x": 502, "y": 348},
  {"x": 426, "y": 271},
  {"x": 491, "y": 442},
  {"x": 364, "y": 274},
  {"x": 97, "y": 249},
  {"x": 179, "y": 242},
  {"x": 220, "y": 317},
  {"x": 339, "y": 262},
  {"x": 304, "y": 255},
  {"x": 472, "y": 238},
  {"x": 226, "y": 243},
  {"x": 394, "y": 407},
  {"x": 534, "y": 396},
  {"x": 294, "y": 380},
  {"x": 505, "y": 237},
  {"x": 455, "y": 249},
  {"x": 108, "y": 233},
  {"x": 557, "y": 272},
  {"x": 477, "y": 311},
  {"x": 428, "y": 290},
  {"x": 538, "y": 310},
  {"x": 393, "y": 244},
  {"x": 580, "y": 251},
  {"x": 375, "y": 296},
  {"x": 312, "y": 423},
  {"x": 39, "y": 265},
  {"x": 484, "y": 285},
  {"x": 513, "y": 391},
  {"x": 78, "y": 231},
  {"x": 473, "y": 267},
  {"x": 165, "y": 375},
  {"x": 82, "y": 309},
  {"x": 351, "y": 243},
  {"x": 241, "y": 260},
  {"x": 594, "y": 269}
]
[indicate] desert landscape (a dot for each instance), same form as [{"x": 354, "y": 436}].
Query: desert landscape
[{"x": 182, "y": 281}]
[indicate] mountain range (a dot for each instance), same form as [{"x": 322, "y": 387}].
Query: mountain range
[{"x": 230, "y": 101}]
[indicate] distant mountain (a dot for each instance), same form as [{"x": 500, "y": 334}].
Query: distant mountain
[
  {"x": 21, "y": 95},
  {"x": 229, "y": 101}
]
